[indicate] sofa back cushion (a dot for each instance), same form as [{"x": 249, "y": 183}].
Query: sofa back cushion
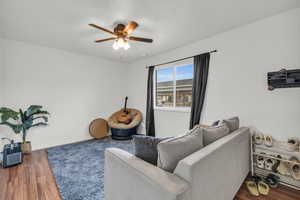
[
  {"x": 146, "y": 147},
  {"x": 232, "y": 123},
  {"x": 213, "y": 133},
  {"x": 171, "y": 151}
]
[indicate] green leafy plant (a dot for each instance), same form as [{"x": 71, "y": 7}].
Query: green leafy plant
[{"x": 21, "y": 122}]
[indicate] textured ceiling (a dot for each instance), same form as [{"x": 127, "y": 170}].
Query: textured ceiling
[{"x": 63, "y": 24}]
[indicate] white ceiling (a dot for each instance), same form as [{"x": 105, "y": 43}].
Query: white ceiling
[{"x": 63, "y": 24}]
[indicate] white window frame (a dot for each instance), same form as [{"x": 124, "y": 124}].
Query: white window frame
[{"x": 174, "y": 107}]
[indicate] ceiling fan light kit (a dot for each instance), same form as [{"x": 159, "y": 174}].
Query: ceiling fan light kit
[
  {"x": 121, "y": 33},
  {"x": 121, "y": 43}
]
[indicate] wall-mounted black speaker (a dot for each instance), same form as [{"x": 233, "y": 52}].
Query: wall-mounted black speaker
[{"x": 284, "y": 79}]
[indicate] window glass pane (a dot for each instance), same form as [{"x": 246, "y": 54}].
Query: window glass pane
[
  {"x": 184, "y": 82},
  {"x": 164, "y": 87}
]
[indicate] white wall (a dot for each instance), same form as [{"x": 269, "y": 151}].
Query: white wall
[
  {"x": 1, "y": 73},
  {"x": 1, "y": 87},
  {"x": 74, "y": 88},
  {"x": 237, "y": 77}
]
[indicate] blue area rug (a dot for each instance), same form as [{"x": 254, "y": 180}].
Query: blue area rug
[{"x": 79, "y": 168}]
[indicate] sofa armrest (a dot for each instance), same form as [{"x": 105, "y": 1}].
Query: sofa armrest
[
  {"x": 216, "y": 171},
  {"x": 130, "y": 178}
]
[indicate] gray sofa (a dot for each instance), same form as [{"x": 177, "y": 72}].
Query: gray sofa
[{"x": 215, "y": 172}]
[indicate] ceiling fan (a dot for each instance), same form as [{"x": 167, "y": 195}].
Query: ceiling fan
[{"x": 121, "y": 35}]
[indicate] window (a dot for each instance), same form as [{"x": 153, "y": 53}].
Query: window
[{"x": 173, "y": 87}]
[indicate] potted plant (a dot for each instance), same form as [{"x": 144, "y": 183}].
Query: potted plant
[{"x": 21, "y": 122}]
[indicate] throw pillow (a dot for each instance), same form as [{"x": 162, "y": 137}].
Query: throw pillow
[
  {"x": 213, "y": 133},
  {"x": 216, "y": 123},
  {"x": 171, "y": 151},
  {"x": 146, "y": 147},
  {"x": 232, "y": 123}
]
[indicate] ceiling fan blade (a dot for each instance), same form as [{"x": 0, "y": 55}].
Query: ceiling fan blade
[
  {"x": 105, "y": 39},
  {"x": 102, "y": 29},
  {"x": 131, "y": 26},
  {"x": 140, "y": 39}
]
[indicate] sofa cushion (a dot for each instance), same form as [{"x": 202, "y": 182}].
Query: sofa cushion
[
  {"x": 171, "y": 151},
  {"x": 232, "y": 123},
  {"x": 213, "y": 133},
  {"x": 146, "y": 147}
]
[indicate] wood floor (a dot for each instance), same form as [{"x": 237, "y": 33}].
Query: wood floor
[
  {"x": 280, "y": 193},
  {"x": 33, "y": 180}
]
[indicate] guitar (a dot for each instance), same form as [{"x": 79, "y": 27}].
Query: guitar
[{"x": 125, "y": 116}]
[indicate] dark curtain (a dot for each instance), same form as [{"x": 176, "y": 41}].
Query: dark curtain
[
  {"x": 201, "y": 68},
  {"x": 150, "y": 125}
]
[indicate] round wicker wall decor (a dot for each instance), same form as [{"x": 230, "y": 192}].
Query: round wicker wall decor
[{"x": 98, "y": 128}]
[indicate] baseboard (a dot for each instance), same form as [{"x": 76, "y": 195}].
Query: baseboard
[{"x": 43, "y": 149}]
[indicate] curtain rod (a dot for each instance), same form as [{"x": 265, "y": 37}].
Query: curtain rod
[{"x": 214, "y": 51}]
